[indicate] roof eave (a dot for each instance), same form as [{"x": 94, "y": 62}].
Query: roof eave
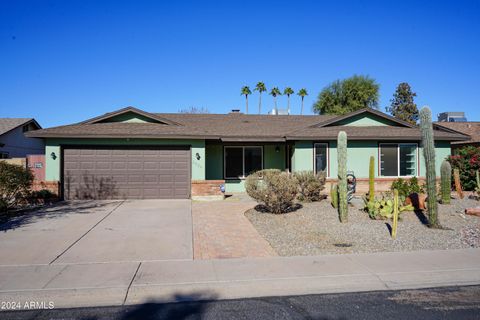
[
  {"x": 111, "y": 136},
  {"x": 391, "y": 138},
  {"x": 252, "y": 139}
]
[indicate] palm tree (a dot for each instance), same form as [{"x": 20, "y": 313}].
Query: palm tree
[
  {"x": 260, "y": 87},
  {"x": 274, "y": 93},
  {"x": 302, "y": 93},
  {"x": 288, "y": 91},
  {"x": 245, "y": 92}
]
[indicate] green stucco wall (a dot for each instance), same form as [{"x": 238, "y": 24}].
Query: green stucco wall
[
  {"x": 210, "y": 164},
  {"x": 358, "y": 157},
  {"x": 366, "y": 120},
  {"x": 273, "y": 159},
  {"x": 129, "y": 117},
  {"x": 302, "y": 158},
  {"x": 52, "y": 170},
  {"x": 214, "y": 162},
  {"x": 442, "y": 151}
]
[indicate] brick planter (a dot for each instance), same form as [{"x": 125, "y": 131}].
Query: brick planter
[
  {"x": 207, "y": 189},
  {"x": 381, "y": 184},
  {"x": 52, "y": 186}
]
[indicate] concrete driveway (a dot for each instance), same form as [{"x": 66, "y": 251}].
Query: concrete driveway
[{"x": 100, "y": 231}]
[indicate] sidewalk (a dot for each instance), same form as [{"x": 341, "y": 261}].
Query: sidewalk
[{"x": 103, "y": 284}]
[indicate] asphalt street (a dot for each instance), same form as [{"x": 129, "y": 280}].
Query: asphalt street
[{"x": 438, "y": 303}]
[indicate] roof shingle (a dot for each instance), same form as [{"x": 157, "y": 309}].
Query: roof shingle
[
  {"x": 471, "y": 129},
  {"x": 7, "y": 124},
  {"x": 235, "y": 127}
]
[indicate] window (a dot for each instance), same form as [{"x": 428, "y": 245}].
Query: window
[
  {"x": 3, "y": 155},
  {"x": 398, "y": 159},
  {"x": 25, "y": 128},
  {"x": 321, "y": 157},
  {"x": 241, "y": 161}
]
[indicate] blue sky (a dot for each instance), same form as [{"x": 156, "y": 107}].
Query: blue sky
[{"x": 65, "y": 61}]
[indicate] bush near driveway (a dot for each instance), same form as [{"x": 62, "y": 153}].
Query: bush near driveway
[
  {"x": 467, "y": 161},
  {"x": 274, "y": 189},
  {"x": 310, "y": 185},
  {"x": 15, "y": 185},
  {"x": 41, "y": 197}
]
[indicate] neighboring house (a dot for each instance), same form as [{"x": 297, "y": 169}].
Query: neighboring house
[
  {"x": 131, "y": 153},
  {"x": 471, "y": 129},
  {"x": 14, "y": 143}
]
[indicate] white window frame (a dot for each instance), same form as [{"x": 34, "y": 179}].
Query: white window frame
[
  {"x": 243, "y": 161},
  {"x": 398, "y": 159},
  {"x": 327, "y": 169}
]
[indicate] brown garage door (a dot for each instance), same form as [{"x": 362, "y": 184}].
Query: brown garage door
[{"x": 126, "y": 173}]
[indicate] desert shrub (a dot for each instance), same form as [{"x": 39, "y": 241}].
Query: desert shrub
[
  {"x": 274, "y": 189},
  {"x": 406, "y": 187},
  {"x": 310, "y": 185},
  {"x": 467, "y": 161},
  {"x": 3, "y": 205},
  {"x": 15, "y": 184},
  {"x": 42, "y": 196}
]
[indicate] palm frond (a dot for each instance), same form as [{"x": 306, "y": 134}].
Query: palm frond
[
  {"x": 288, "y": 91},
  {"x": 245, "y": 91}
]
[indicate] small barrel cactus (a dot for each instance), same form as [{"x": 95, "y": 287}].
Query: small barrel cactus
[
  {"x": 429, "y": 155},
  {"x": 446, "y": 181},
  {"x": 342, "y": 176}
]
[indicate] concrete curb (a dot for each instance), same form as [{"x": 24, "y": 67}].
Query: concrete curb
[{"x": 171, "y": 281}]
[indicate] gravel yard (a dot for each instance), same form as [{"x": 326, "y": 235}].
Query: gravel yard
[{"x": 315, "y": 229}]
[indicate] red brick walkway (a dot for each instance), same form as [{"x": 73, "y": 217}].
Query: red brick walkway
[{"x": 221, "y": 230}]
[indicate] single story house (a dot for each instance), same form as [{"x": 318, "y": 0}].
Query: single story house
[
  {"x": 469, "y": 128},
  {"x": 14, "y": 143},
  {"x": 131, "y": 153}
]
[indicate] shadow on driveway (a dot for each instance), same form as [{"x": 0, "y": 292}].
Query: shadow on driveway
[{"x": 56, "y": 210}]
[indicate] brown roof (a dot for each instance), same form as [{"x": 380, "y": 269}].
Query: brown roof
[
  {"x": 369, "y": 133},
  {"x": 471, "y": 129},
  {"x": 107, "y": 115},
  {"x": 8, "y": 124},
  {"x": 203, "y": 126},
  {"x": 230, "y": 127}
]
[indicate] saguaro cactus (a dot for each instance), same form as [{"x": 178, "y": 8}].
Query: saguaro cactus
[
  {"x": 429, "y": 155},
  {"x": 458, "y": 184},
  {"x": 334, "y": 195},
  {"x": 342, "y": 176},
  {"x": 371, "y": 179},
  {"x": 446, "y": 184}
]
